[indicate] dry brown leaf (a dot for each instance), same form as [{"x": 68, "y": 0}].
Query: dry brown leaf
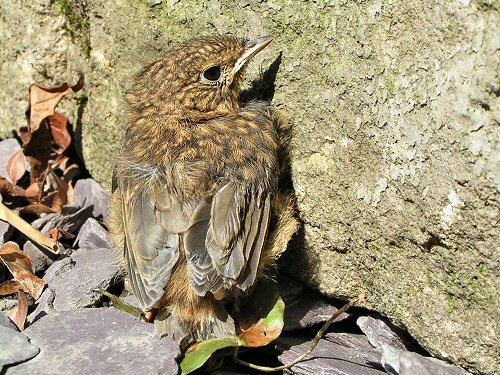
[
  {"x": 16, "y": 166},
  {"x": 7, "y": 188},
  {"x": 19, "y": 265},
  {"x": 61, "y": 197},
  {"x": 38, "y": 151},
  {"x": 9, "y": 287},
  {"x": 59, "y": 131},
  {"x": 36, "y": 208},
  {"x": 13, "y": 195},
  {"x": 43, "y": 101},
  {"x": 33, "y": 193},
  {"x": 19, "y": 313}
]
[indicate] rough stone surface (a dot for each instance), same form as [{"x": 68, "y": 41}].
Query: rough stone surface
[
  {"x": 92, "y": 235},
  {"x": 6, "y": 231},
  {"x": 88, "y": 192},
  {"x": 98, "y": 341},
  {"x": 329, "y": 358},
  {"x": 400, "y": 362},
  {"x": 40, "y": 259},
  {"x": 72, "y": 280},
  {"x": 379, "y": 333},
  {"x": 6, "y": 322},
  {"x": 394, "y": 159},
  {"x": 15, "y": 347},
  {"x": 71, "y": 219},
  {"x": 304, "y": 307}
]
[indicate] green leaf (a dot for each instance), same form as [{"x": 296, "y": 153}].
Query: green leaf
[
  {"x": 120, "y": 305},
  {"x": 260, "y": 319},
  {"x": 196, "y": 357}
]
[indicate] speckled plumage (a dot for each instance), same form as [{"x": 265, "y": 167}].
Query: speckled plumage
[{"x": 197, "y": 188}]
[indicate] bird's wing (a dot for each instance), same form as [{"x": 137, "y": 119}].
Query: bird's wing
[
  {"x": 150, "y": 250},
  {"x": 225, "y": 238}
]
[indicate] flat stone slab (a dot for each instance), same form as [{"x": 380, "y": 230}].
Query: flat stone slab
[
  {"x": 328, "y": 358},
  {"x": 304, "y": 307},
  {"x": 380, "y": 333},
  {"x": 88, "y": 193},
  {"x": 72, "y": 280},
  {"x": 97, "y": 341},
  {"x": 71, "y": 218},
  {"x": 402, "y": 362},
  {"x": 92, "y": 235},
  {"x": 15, "y": 347}
]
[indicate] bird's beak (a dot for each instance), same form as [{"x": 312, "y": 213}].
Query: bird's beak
[{"x": 252, "y": 47}]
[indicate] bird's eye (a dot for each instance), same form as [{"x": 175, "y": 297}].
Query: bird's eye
[{"x": 212, "y": 73}]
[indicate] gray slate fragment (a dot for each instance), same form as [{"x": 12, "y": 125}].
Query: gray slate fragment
[
  {"x": 88, "y": 193},
  {"x": 357, "y": 342},
  {"x": 40, "y": 259},
  {"x": 304, "y": 307},
  {"x": 73, "y": 279},
  {"x": 70, "y": 219},
  {"x": 327, "y": 358},
  {"x": 92, "y": 235},
  {"x": 45, "y": 306},
  {"x": 98, "y": 341},
  {"x": 402, "y": 362},
  {"x": 15, "y": 347},
  {"x": 6, "y": 322},
  {"x": 7, "y": 148},
  {"x": 379, "y": 333},
  {"x": 6, "y": 231}
]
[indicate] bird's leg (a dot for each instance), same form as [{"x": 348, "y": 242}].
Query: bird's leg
[{"x": 150, "y": 315}]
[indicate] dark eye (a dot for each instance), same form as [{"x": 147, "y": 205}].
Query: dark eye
[{"x": 212, "y": 73}]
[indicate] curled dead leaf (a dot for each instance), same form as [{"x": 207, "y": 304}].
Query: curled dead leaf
[
  {"x": 16, "y": 166},
  {"x": 58, "y": 124},
  {"x": 19, "y": 265},
  {"x": 19, "y": 313},
  {"x": 43, "y": 101},
  {"x": 9, "y": 287}
]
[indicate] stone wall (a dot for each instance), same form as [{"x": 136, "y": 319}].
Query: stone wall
[{"x": 395, "y": 155}]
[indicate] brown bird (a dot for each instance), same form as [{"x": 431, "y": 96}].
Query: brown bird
[{"x": 196, "y": 211}]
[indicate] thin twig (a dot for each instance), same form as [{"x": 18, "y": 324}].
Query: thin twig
[
  {"x": 24, "y": 227},
  {"x": 357, "y": 302}
]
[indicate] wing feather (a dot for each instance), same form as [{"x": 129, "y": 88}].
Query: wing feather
[{"x": 151, "y": 252}]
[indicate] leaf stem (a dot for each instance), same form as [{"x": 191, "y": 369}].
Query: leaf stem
[{"x": 356, "y": 302}]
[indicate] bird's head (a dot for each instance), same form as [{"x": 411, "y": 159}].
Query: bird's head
[{"x": 199, "y": 78}]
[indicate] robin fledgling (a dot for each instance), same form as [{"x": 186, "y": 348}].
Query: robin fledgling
[{"x": 196, "y": 211}]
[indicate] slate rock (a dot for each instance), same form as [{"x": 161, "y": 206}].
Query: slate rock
[
  {"x": 380, "y": 333},
  {"x": 402, "y": 362},
  {"x": 40, "y": 259},
  {"x": 92, "y": 235},
  {"x": 71, "y": 219},
  {"x": 328, "y": 358},
  {"x": 73, "y": 279},
  {"x": 304, "y": 307},
  {"x": 6, "y": 322},
  {"x": 15, "y": 347},
  {"x": 7, "y": 148},
  {"x": 88, "y": 193},
  {"x": 98, "y": 341},
  {"x": 357, "y": 342},
  {"x": 6, "y": 231},
  {"x": 44, "y": 306}
]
